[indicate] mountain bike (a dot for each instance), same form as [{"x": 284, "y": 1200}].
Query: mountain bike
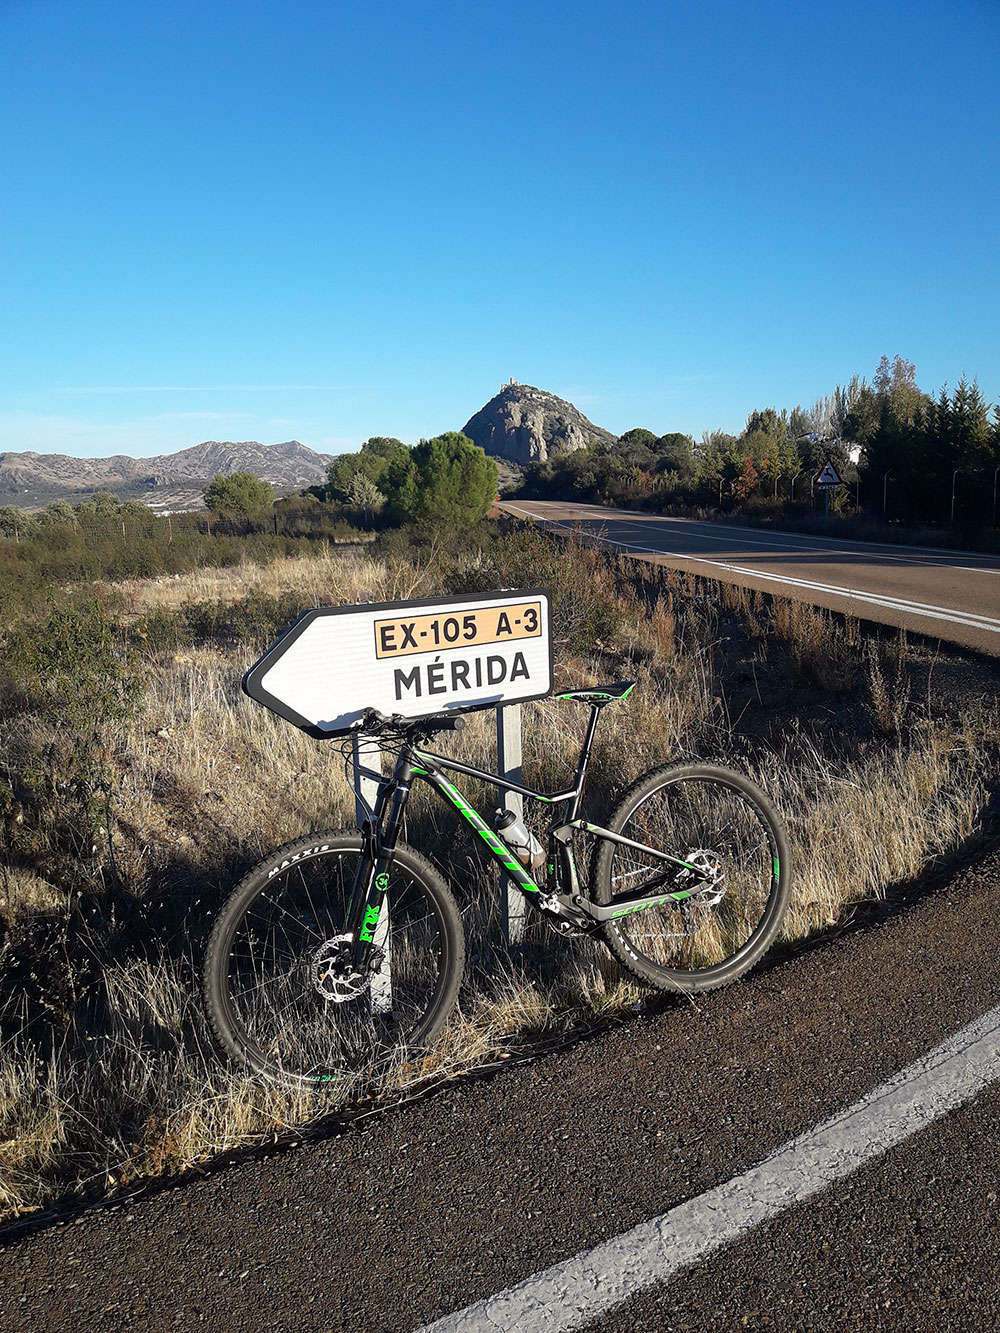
[{"x": 345, "y": 944}]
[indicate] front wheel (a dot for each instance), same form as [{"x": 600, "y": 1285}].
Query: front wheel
[
  {"x": 722, "y": 824},
  {"x": 281, "y": 991}
]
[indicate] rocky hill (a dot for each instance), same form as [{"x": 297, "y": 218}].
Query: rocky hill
[
  {"x": 527, "y": 425},
  {"x": 30, "y": 478}
]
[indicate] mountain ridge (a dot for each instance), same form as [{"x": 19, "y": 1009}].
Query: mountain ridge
[{"x": 287, "y": 465}]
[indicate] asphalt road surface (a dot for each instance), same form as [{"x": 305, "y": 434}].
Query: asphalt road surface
[
  {"x": 952, "y": 595},
  {"x": 430, "y": 1208}
]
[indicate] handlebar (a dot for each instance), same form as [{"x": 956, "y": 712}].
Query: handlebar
[{"x": 373, "y": 722}]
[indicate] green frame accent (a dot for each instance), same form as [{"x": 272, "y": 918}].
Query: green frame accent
[{"x": 496, "y": 845}]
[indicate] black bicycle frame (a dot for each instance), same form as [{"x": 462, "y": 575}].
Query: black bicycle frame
[{"x": 372, "y": 878}]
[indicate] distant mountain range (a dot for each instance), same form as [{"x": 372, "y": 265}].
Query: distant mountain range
[
  {"x": 519, "y": 425},
  {"x": 174, "y": 481}
]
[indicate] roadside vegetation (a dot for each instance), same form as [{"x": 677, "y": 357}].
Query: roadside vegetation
[
  {"x": 902, "y": 452},
  {"x": 137, "y": 783}
]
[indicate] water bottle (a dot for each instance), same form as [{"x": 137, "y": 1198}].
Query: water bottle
[{"x": 516, "y": 834}]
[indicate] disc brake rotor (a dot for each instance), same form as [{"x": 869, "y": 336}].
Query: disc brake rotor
[
  {"x": 332, "y": 972},
  {"x": 712, "y": 888}
]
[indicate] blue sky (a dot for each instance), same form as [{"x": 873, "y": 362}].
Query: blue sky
[{"x": 325, "y": 221}]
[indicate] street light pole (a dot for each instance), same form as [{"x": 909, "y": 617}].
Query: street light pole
[
  {"x": 953, "y": 476},
  {"x": 795, "y": 477}
]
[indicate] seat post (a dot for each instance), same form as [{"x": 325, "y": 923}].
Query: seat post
[{"x": 581, "y": 768}]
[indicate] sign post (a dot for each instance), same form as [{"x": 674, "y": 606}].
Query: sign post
[{"x": 514, "y": 910}]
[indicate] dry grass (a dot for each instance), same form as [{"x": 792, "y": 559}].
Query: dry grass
[
  {"x": 211, "y": 783},
  {"x": 330, "y": 577}
]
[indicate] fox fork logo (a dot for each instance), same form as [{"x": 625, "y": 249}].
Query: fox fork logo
[
  {"x": 369, "y": 924},
  {"x": 367, "y": 931}
]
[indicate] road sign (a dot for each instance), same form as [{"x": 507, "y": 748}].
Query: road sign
[
  {"x": 412, "y": 658},
  {"x": 827, "y": 476}
]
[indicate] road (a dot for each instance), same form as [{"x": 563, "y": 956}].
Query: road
[
  {"x": 433, "y": 1207},
  {"x": 952, "y": 595}
]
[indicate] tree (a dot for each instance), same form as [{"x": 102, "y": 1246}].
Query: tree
[
  {"x": 240, "y": 495},
  {"x": 371, "y": 461},
  {"x": 843, "y": 402},
  {"x": 970, "y": 427},
  {"x": 447, "y": 481},
  {"x": 382, "y": 446},
  {"x": 746, "y": 482},
  {"x": 59, "y": 513},
  {"x": 675, "y": 454},
  {"x": 766, "y": 441},
  {"x": 16, "y": 523},
  {"x": 105, "y": 504},
  {"x": 363, "y": 494},
  {"x": 638, "y": 435}
]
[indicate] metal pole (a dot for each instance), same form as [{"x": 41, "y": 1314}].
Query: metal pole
[
  {"x": 953, "y": 476},
  {"x": 366, "y": 751},
  {"x": 885, "y": 483},
  {"x": 513, "y": 912}
]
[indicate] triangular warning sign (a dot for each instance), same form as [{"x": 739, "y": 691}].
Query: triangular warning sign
[{"x": 827, "y": 476}]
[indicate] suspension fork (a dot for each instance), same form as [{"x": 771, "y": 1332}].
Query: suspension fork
[{"x": 378, "y": 853}]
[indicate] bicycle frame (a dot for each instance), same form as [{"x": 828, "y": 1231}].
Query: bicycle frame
[{"x": 381, "y": 833}]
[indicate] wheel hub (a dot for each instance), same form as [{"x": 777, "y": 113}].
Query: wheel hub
[{"x": 332, "y": 973}]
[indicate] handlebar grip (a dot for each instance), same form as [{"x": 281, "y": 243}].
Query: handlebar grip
[{"x": 442, "y": 722}]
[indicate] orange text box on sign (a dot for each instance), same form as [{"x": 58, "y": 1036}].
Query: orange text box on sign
[{"x": 399, "y": 636}]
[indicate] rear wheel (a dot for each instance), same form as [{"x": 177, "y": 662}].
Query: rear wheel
[
  {"x": 280, "y": 988},
  {"x": 722, "y": 824}
]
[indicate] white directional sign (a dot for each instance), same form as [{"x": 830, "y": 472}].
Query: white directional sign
[
  {"x": 412, "y": 658},
  {"x": 827, "y": 476}
]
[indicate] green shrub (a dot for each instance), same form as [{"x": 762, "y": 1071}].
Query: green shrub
[{"x": 69, "y": 682}]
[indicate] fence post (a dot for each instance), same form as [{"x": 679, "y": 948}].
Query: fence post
[
  {"x": 366, "y": 751},
  {"x": 513, "y": 910}
]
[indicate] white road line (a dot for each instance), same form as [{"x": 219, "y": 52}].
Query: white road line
[
  {"x": 581, "y": 1289},
  {"x": 816, "y": 548},
  {"x": 923, "y": 609}
]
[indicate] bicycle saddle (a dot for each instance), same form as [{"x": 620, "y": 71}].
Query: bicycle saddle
[{"x": 599, "y": 694}]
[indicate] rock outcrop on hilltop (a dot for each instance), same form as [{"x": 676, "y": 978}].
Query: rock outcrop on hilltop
[{"x": 528, "y": 425}]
